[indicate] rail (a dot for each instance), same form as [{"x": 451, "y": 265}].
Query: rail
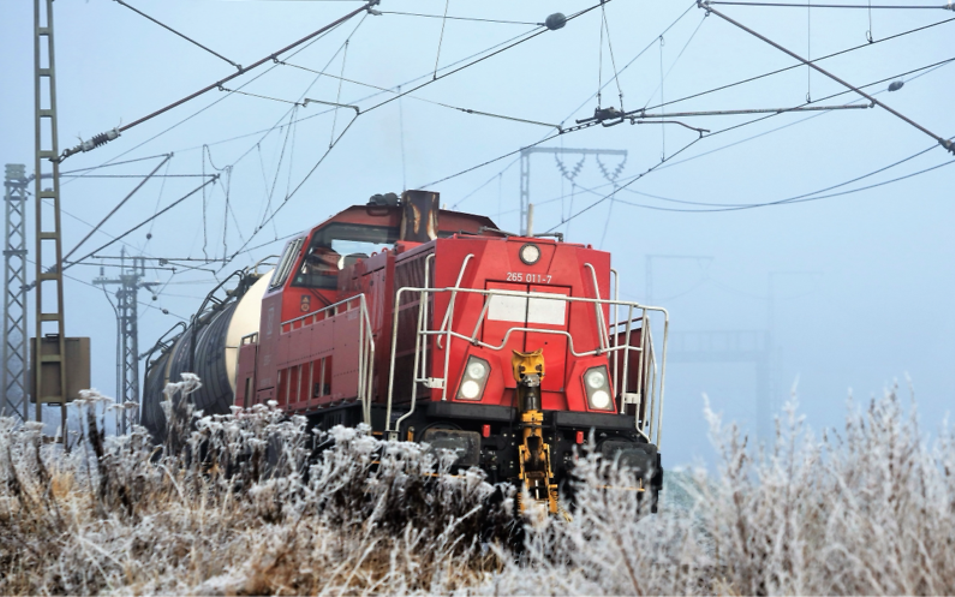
[
  {"x": 366, "y": 345},
  {"x": 607, "y": 344}
]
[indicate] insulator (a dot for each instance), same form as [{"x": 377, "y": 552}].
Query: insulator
[
  {"x": 556, "y": 21},
  {"x": 97, "y": 140},
  {"x": 896, "y": 85}
]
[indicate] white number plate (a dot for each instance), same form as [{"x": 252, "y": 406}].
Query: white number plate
[{"x": 528, "y": 277}]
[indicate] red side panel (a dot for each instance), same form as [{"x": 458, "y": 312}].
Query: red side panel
[
  {"x": 323, "y": 366},
  {"x": 245, "y": 376}
]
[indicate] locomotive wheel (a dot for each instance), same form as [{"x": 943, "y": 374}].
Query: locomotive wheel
[{"x": 419, "y": 434}]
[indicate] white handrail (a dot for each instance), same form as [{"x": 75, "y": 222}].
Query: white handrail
[
  {"x": 654, "y": 391},
  {"x": 602, "y": 329}
]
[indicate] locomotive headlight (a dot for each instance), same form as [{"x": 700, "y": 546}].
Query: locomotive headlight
[
  {"x": 597, "y": 387},
  {"x": 600, "y": 400},
  {"x": 530, "y": 254},
  {"x": 476, "y": 369},
  {"x": 595, "y": 378},
  {"x": 474, "y": 379},
  {"x": 470, "y": 389}
]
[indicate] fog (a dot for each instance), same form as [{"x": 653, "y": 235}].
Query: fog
[{"x": 842, "y": 294}]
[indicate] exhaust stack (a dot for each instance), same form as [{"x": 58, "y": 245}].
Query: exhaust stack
[{"x": 419, "y": 216}]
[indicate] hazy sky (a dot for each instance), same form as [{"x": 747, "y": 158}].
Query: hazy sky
[{"x": 861, "y": 282}]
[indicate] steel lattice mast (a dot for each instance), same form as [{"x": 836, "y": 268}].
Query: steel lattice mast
[
  {"x": 526, "y": 170},
  {"x": 14, "y": 400},
  {"x": 50, "y": 378}
]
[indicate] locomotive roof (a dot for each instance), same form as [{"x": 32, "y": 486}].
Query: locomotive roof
[{"x": 449, "y": 221}]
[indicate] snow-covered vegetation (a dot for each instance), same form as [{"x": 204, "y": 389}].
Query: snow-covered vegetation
[{"x": 232, "y": 505}]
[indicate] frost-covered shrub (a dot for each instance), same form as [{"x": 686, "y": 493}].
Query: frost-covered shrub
[
  {"x": 870, "y": 510},
  {"x": 236, "y": 503},
  {"x": 248, "y": 503}
]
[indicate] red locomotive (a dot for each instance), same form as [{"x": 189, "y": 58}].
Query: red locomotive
[{"x": 433, "y": 325}]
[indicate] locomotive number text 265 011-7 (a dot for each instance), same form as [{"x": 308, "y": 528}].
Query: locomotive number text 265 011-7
[{"x": 528, "y": 277}]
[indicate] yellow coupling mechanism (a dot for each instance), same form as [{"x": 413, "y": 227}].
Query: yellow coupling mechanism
[
  {"x": 534, "y": 453},
  {"x": 528, "y": 372}
]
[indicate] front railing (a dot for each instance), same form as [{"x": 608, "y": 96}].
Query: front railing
[{"x": 648, "y": 376}]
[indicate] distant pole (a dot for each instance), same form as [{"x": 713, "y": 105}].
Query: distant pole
[
  {"x": 525, "y": 188},
  {"x": 130, "y": 280},
  {"x": 769, "y": 404},
  {"x": 13, "y": 403},
  {"x": 530, "y": 219}
]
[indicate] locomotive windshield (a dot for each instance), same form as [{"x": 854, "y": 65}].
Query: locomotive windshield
[{"x": 337, "y": 246}]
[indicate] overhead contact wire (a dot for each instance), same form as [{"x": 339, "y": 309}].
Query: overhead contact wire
[
  {"x": 143, "y": 223},
  {"x": 389, "y": 100},
  {"x": 214, "y": 103},
  {"x": 788, "y": 68},
  {"x": 941, "y": 140},
  {"x": 444, "y": 21},
  {"x": 452, "y": 18},
  {"x": 243, "y": 70},
  {"x": 189, "y": 39},
  {"x": 116, "y": 208},
  {"x": 613, "y": 60},
  {"x": 803, "y": 5}
]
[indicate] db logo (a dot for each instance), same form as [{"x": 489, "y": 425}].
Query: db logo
[{"x": 306, "y": 304}]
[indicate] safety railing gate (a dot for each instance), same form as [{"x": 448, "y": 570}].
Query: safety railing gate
[{"x": 649, "y": 377}]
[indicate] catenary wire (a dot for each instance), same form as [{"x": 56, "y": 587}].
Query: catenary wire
[
  {"x": 529, "y": 36},
  {"x": 798, "y": 199},
  {"x": 144, "y": 222},
  {"x": 215, "y": 102},
  {"x": 674, "y": 63},
  {"x": 670, "y": 164},
  {"x": 454, "y": 18},
  {"x": 948, "y": 6},
  {"x": 116, "y": 208},
  {"x": 941, "y": 140},
  {"x": 793, "y": 201},
  {"x": 189, "y": 39},
  {"x": 389, "y": 100},
  {"x": 644, "y": 50},
  {"x": 381, "y": 90},
  {"x": 632, "y": 60},
  {"x": 795, "y": 66},
  {"x": 252, "y": 66},
  {"x": 926, "y": 70}
]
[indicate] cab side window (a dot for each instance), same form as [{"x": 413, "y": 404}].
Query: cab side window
[
  {"x": 287, "y": 262},
  {"x": 319, "y": 268}
]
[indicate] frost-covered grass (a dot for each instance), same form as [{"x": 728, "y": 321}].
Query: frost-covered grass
[{"x": 235, "y": 509}]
